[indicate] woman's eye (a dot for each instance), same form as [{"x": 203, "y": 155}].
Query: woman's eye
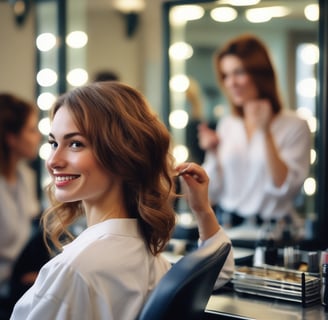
[
  {"x": 76, "y": 144},
  {"x": 53, "y": 144}
]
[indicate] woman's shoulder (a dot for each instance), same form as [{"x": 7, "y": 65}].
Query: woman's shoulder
[
  {"x": 290, "y": 115},
  {"x": 290, "y": 118}
]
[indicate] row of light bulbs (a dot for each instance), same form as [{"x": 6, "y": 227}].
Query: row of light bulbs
[
  {"x": 47, "y": 77},
  {"x": 46, "y": 42},
  {"x": 307, "y": 87},
  {"x": 179, "y": 15}
]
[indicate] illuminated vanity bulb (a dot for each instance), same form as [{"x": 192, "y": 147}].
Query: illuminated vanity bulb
[
  {"x": 46, "y": 41},
  {"x": 45, "y": 100},
  {"x": 258, "y": 15},
  {"x": 309, "y": 53},
  {"x": 183, "y": 13},
  {"x": 178, "y": 119},
  {"x": 44, "y": 126},
  {"x": 310, "y": 186},
  {"x": 311, "y": 12},
  {"x": 179, "y": 83},
  {"x": 180, "y": 51},
  {"x": 307, "y": 87},
  {"x": 77, "y": 77},
  {"x": 223, "y": 14},
  {"x": 46, "y": 77},
  {"x": 77, "y": 39},
  {"x": 180, "y": 153},
  {"x": 239, "y": 3},
  {"x": 313, "y": 156},
  {"x": 45, "y": 151}
]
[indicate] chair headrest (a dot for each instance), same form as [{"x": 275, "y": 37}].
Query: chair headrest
[{"x": 185, "y": 289}]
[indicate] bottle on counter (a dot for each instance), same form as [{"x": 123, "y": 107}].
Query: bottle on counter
[{"x": 265, "y": 251}]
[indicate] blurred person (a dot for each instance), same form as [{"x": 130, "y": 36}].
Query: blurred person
[
  {"x": 19, "y": 205},
  {"x": 111, "y": 162},
  {"x": 106, "y": 75},
  {"x": 259, "y": 155}
]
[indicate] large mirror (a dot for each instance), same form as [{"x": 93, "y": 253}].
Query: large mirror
[{"x": 290, "y": 29}]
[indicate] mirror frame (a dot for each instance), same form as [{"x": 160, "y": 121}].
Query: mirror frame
[{"x": 320, "y": 239}]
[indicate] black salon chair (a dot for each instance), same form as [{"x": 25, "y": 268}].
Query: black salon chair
[{"x": 184, "y": 291}]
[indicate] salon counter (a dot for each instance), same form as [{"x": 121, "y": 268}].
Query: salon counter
[{"x": 227, "y": 304}]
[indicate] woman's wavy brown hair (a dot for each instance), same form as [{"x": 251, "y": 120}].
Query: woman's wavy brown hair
[
  {"x": 129, "y": 141},
  {"x": 257, "y": 63}
]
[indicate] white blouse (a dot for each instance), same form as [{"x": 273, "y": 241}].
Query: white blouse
[
  {"x": 240, "y": 180},
  {"x": 18, "y": 205},
  {"x": 107, "y": 272}
]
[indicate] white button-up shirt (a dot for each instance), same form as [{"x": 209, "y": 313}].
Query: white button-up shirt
[
  {"x": 107, "y": 272},
  {"x": 18, "y": 205},
  {"x": 240, "y": 180}
]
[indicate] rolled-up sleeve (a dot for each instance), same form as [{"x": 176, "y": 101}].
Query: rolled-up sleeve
[{"x": 228, "y": 268}]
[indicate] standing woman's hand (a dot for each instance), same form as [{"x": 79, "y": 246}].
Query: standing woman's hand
[
  {"x": 194, "y": 182},
  {"x": 259, "y": 113}
]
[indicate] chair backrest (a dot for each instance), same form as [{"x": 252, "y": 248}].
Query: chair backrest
[{"x": 185, "y": 289}]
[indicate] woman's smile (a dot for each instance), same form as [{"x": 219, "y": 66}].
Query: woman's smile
[{"x": 63, "y": 180}]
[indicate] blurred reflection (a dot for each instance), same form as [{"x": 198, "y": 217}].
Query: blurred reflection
[{"x": 259, "y": 155}]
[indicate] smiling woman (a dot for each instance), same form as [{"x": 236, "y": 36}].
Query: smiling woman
[
  {"x": 110, "y": 161},
  {"x": 260, "y": 156}
]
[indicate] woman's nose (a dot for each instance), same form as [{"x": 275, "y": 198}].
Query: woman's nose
[{"x": 56, "y": 159}]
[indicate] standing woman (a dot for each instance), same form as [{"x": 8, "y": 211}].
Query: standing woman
[
  {"x": 259, "y": 155},
  {"x": 19, "y": 143},
  {"x": 110, "y": 161}
]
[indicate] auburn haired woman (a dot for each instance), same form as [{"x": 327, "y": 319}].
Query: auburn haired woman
[
  {"x": 110, "y": 161},
  {"x": 259, "y": 155}
]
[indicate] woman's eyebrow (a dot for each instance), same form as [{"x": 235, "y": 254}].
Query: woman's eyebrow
[{"x": 67, "y": 136}]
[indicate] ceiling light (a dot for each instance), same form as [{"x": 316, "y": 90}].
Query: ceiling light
[{"x": 128, "y": 6}]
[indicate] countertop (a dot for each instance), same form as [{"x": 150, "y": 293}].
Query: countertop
[{"x": 233, "y": 305}]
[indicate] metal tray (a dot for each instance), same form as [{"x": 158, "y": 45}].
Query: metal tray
[{"x": 279, "y": 283}]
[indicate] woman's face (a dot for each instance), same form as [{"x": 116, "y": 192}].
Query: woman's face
[
  {"x": 75, "y": 170},
  {"x": 25, "y": 144},
  {"x": 237, "y": 83}
]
